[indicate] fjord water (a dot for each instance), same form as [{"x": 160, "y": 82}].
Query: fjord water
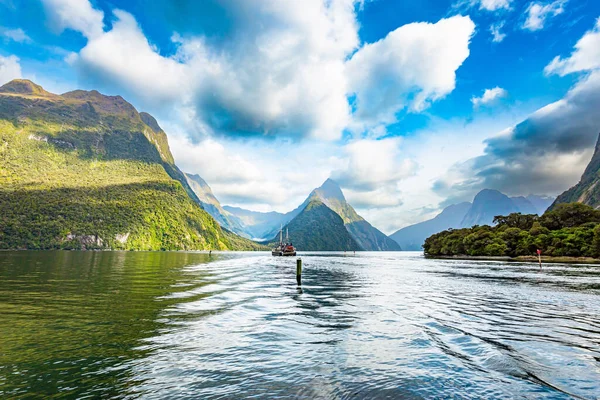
[{"x": 235, "y": 325}]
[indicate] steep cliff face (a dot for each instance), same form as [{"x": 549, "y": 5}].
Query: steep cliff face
[
  {"x": 363, "y": 233},
  {"x": 212, "y": 205},
  {"x": 85, "y": 170},
  {"x": 587, "y": 191}
]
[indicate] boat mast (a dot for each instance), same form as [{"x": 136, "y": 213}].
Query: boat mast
[
  {"x": 287, "y": 235},
  {"x": 280, "y": 234}
]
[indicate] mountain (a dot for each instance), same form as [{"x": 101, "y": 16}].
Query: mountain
[
  {"x": 366, "y": 236},
  {"x": 541, "y": 203},
  {"x": 263, "y": 225},
  {"x": 412, "y": 237},
  {"x": 318, "y": 228},
  {"x": 87, "y": 171},
  {"x": 249, "y": 224},
  {"x": 486, "y": 205},
  {"x": 587, "y": 191},
  {"x": 212, "y": 206},
  {"x": 524, "y": 205}
]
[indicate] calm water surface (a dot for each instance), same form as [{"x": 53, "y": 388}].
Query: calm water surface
[{"x": 235, "y": 325}]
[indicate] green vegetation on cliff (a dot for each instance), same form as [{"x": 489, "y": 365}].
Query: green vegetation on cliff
[
  {"x": 569, "y": 229},
  {"x": 87, "y": 171},
  {"x": 318, "y": 228}
]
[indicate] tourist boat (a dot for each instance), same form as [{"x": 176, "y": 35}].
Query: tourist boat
[{"x": 284, "y": 249}]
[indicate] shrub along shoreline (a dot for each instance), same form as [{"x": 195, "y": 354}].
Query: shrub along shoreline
[
  {"x": 568, "y": 233},
  {"x": 523, "y": 259}
]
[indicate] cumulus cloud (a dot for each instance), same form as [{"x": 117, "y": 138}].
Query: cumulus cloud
[
  {"x": 412, "y": 66},
  {"x": 496, "y": 31},
  {"x": 257, "y": 175},
  {"x": 16, "y": 35},
  {"x": 282, "y": 70},
  {"x": 9, "y": 69},
  {"x": 77, "y": 15},
  {"x": 544, "y": 154},
  {"x": 489, "y": 96},
  {"x": 286, "y": 68},
  {"x": 547, "y": 152},
  {"x": 585, "y": 57},
  {"x": 538, "y": 13},
  {"x": 380, "y": 198},
  {"x": 371, "y": 164},
  {"x": 124, "y": 57},
  {"x": 215, "y": 162}
]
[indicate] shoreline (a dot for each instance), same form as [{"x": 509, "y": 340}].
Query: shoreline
[{"x": 527, "y": 259}]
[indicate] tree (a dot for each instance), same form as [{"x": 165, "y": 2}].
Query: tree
[
  {"x": 568, "y": 215},
  {"x": 516, "y": 220}
]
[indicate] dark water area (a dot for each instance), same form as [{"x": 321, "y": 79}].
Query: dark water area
[{"x": 235, "y": 325}]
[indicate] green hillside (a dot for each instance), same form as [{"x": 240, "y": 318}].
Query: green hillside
[
  {"x": 87, "y": 171},
  {"x": 318, "y": 228},
  {"x": 368, "y": 237}
]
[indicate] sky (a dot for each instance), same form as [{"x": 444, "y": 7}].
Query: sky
[{"x": 409, "y": 105}]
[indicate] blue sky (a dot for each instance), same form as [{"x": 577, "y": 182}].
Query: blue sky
[{"x": 410, "y": 105}]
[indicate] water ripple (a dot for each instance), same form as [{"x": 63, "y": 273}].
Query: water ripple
[{"x": 370, "y": 325}]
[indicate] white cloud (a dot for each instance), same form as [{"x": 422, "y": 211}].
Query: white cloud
[
  {"x": 585, "y": 57},
  {"x": 489, "y": 96},
  {"x": 383, "y": 197},
  {"x": 9, "y": 69},
  {"x": 495, "y": 30},
  {"x": 485, "y": 5},
  {"x": 538, "y": 13},
  {"x": 283, "y": 70},
  {"x": 262, "y": 176},
  {"x": 16, "y": 35},
  {"x": 412, "y": 66},
  {"x": 543, "y": 154},
  {"x": 124, "y": 57},
  {"x": 78, "y": 15},
  {"x": 493, "y": 5},
  {"x": 371, "y": 164}
]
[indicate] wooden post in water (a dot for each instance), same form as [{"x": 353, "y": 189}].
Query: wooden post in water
[
  {"x": 299, "y": 271},
  {"x": 539, "y": 253}
]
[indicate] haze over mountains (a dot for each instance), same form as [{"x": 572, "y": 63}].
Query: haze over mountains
[{"x": 486, "y": 205}]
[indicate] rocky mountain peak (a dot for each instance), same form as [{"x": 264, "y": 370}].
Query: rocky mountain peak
[{"x": 330, "y": 190}]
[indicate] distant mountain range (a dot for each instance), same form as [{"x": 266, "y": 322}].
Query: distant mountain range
[
  {"x": 314, "y": 225},
  {"x": 587, "y": 191},
  {"x": 486, "y": 205}
]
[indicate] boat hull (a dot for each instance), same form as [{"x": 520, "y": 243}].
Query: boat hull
[{"x": 283, "y": 253}]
